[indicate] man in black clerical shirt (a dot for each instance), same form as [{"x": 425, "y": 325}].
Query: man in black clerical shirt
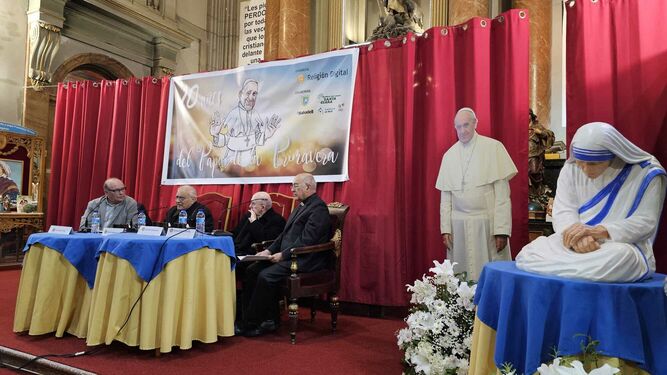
[
  {"x": 259, "y": 224},
  {"x": 309, "y": 224},
  {"x": 186, "y": 199}
]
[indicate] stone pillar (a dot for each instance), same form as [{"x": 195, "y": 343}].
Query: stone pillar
[
  {"x": 223, "y": 28},
  {"x": 439, "y": 12},
  {"x": 287, "y": 32},
  {"x": 335, "y": 39},
  {"x": 462, "y": 10},
  {"x": 540, "y": 57}
]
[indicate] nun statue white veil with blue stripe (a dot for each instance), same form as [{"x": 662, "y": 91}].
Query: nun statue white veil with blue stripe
[{"x": 624, "y": 201}]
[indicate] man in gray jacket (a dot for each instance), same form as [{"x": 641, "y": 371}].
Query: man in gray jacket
[{"x": 114, "y": 206}]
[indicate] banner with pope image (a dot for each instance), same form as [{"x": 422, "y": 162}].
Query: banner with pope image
[{"x": 262, "y": 123}]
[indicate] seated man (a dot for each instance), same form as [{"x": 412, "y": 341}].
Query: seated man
[
  {"x": 606, "y": 212},
  {"x": 308, "y": 224},
  {"x": 186, "y": 199},
  {"x": 260, "y": 223},
  {"x": 115, "y": 208}
]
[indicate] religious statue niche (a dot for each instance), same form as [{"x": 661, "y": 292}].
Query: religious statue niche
[
  {"x": 540, "y": 139},
  {"x": 398, "y": 17},
  {"x": 21, "y": 172}
]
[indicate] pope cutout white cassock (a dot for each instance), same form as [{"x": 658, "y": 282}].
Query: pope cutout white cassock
[
  {"x": 475, "y": 207},
  {"x": 243, "y": 129},
  {"x": 606, "y": 211}
]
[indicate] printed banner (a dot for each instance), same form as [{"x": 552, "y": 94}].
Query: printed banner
[
  {"x": 251, "y": 33},
  {"x": 262, "y": 123}
]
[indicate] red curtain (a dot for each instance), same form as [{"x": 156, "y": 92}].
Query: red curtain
[
  {"x": 406, "y": 95},
  {"x": 617, "y": 73}
]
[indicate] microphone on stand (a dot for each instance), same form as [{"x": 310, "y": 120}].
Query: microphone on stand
[{"x": 85, "y": 228}]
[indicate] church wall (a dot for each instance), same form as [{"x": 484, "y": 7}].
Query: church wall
[
  {"x": 13, "y": 36},
  {"x": 70, "y": 47},
  {"x": 188, "y": 60},
  {"x": 193, "y": 11}
]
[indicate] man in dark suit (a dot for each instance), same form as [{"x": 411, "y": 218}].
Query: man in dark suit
[
  {"x": 309, "y": 224},
  {"x": 260, "y": 223},
  {"x": 186, "y": 199}
]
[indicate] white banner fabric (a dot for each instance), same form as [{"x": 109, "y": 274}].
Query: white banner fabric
[{"x": 262, "y": 123}]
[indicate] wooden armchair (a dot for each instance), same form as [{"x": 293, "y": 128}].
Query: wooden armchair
[
  {"x": 283, "y": 204},
  {"x": 220, "y": 206},
  {"x": 314, "y": 284}
]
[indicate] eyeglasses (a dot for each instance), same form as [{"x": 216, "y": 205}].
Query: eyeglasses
[{"x": 116, "y": 190}]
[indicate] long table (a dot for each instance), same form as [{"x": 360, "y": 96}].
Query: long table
[
  {"x": 522, "y": 316},
  {"x": 189, "y": 294}
]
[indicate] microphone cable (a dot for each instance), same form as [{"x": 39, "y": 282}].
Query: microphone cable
[{"x": 127, "y": 318}]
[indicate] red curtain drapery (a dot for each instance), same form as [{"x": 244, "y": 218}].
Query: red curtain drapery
[
  {"x": 617, "y": 73},
  {"x": 406, "y": 95}
]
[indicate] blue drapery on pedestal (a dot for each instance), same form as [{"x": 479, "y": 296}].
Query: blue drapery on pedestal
[{"x": 533, "y": 314}]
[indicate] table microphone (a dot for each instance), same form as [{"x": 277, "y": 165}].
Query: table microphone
[{"x": 85, "y": 228}]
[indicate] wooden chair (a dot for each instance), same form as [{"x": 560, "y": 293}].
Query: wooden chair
[
  {"x": 283, "y": 204},
  {"x": 220, "y": 206},
  {"x": 315, "y": 284}
]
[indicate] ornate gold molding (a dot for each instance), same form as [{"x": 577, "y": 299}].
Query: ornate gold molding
[
  {"x": 35, "y": 150},
  {"x": 11, "y": 221}
]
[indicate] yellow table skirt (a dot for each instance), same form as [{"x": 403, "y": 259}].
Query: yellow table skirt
[
  {"x": 193, "y": 298},
  {"x": 484, "y": 342},
  {"x": 52, "y": 295}
]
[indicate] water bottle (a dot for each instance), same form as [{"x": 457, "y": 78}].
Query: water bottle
[
  {"x": 141, "y": 219},
  {"x": 183, "y": 218},
  {"x": 200, "y": 222},
  {"x": 95, "y": 222}
]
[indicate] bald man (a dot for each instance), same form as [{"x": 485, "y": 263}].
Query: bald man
[
  {"x": 114, "y": 207},
  {"x": 475, "y": 207},
  {"x": 260, "y": 223},
  {"x": 186, "y": 199}
]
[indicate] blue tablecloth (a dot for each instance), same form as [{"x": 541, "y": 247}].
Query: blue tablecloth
[
  {"x": 79, "y": 249},
  {"x": 149, "y": 255},
  {"x": 532, "y": 314}
]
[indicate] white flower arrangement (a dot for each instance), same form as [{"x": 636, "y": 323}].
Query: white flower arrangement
[
  {"x": 568, "y": 366},
  {"x": 438, "y": 337},
  {"x": 575, "y": 368}
]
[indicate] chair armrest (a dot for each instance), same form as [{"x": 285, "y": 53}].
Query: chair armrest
[
  {"x": 294, "y": 266},
  {"x": 313, "y": 248}
]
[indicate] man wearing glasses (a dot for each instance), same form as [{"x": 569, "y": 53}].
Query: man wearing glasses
[
  {"x": 114, "y": 207},
  {"x": 186, "y": 199},
  {"x": 309, "y": 224},
  {"x": 260, "y": 223}
]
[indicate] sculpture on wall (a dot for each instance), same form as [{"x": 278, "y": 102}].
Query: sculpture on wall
[
  {"x": 540, "y": 139},
  {"x": 399, "y": 18}
]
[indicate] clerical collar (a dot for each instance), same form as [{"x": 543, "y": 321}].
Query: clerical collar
[{"x": 471, "y": 142}]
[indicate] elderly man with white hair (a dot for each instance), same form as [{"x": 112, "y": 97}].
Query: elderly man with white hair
[
  {"x": 475, "y": 207},
  {"x": 606, "y": 211},
  {"x": 260, "y": 223}
]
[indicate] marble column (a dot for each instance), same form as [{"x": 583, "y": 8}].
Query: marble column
[
  {"x": 439, "y": 12},
  {"x": 539, "y": 13},
  {"x": 462, "y": 10},
  {"x": 335, "y": 39},
  {"x": 287, "y": 32},
  {"x": 223, "y": 29}
]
